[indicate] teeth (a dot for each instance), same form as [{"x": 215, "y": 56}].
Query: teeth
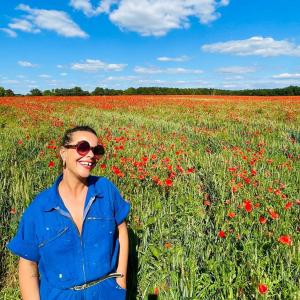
[{"x": 85, "y": 163}]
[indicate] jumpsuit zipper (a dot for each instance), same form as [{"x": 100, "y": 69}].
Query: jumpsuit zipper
[{"x": 68, "y": 215}]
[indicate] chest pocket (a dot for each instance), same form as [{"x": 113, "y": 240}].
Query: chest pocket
[
  {"x": 52, "y": 236},
  {"x": 56, "y": 249},
  {"x": 99, "y": 228}
]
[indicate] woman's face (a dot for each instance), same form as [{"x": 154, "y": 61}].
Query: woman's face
[{"x": 74, "y": 161}]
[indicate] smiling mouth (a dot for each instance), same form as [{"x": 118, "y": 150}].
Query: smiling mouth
[{"x": 87, "y": 165}]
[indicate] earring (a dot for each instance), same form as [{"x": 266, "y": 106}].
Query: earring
[{"x": 64, "y": 163}]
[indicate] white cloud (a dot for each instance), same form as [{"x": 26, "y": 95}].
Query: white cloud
[
  {"x": 236, "y": 70},
  {"x": 153, "y": 17},
  {"x": 94, "y": 65},
  {"x": 256, "y": 45},
  {"x": 83, "y": 5},
  {"x": 176, "y": 59},
  {"x": 152, "y": 81},
  {"x": 155, "y": 70},
  {"x": 52, "y": 20},
  {"x": 88, "y": 9},
  {"x": 23, "y": 25},
  {"x": 63, "y": 74},
  {"x": 26, "y": 64},
  {"x": 120, "y": 78},
  {"x": 9, "y": 32},
  {"x": 45, "y": 76},
  {"x": 287, "y": 76},
  {"x": 10, "y": 81}
]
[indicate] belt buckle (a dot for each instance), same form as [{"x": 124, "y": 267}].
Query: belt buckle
[{"x": 80, "y": 287}]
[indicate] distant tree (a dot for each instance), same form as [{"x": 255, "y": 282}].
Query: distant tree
[
  {"x": 36, "y": 92},
  {"x": 77, "y": 91},
  {"x": 47, "y": 93},
  {"x": 98, "y": 91},
  {"x": 9, "y": 93},
  {"x": 130, "y": 91},
  {"x": 2, "y": 91}
]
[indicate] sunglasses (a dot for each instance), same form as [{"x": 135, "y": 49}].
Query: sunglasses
[{"x": 83, "y": 148}]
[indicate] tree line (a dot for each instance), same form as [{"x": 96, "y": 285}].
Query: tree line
[{"x": 77, "y": 91}]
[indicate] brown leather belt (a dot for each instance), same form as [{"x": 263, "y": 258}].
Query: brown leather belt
[{"x": 91, "y": 283}]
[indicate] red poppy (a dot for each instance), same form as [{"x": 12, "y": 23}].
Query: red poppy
[
  {"x": 262, "y": 288},
  {"x": 168, "y": 182},
  {"x": 274, "y": 215},
  {"x": 168, "y": 245},
  {"x": 20, "y": 142},
  {"x": 117, "y": 171},
  {"x": 247, "y": 180},
  {"x": 285, "y": 239},
  {"x": 190, "y": 170},
  {"x": 156, "y": 291},
  {"x": 234, "y": 189},
  {"x": 103, "y": 166},
  {"x": 247, "y": 205},
  {"x": 288, "y": 205},
  {"x": 51, "y": 164},
  {"x": 231, "y": 214},
  {"x": 221, "y": 234},
  {"x": 262, "y": 220}
]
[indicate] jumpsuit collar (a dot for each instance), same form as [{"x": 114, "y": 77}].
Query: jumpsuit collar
[{"x": 53, "y": 199}]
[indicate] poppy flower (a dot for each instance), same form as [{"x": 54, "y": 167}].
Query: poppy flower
[
  {"x": 231, "y": 214},
  {"x": 247, "y": 205},
  {"x": 51, "y": 164},
  {"x": 262, "y": 288},
  {"x": 285, "y": 239},
  {"x": 168, "y": 245},
  {"x": 168, "y": 182},
  {"x": 221, "y": 234},
  {"x": 190, "y": 170},
  {"x": 288, "y": 205},
  {"x": 234, "y": 189},
  {"x": 262, "y": 220},
  {"x": 274, "y": 215}
]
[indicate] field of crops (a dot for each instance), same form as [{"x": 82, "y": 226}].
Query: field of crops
[{"x": 214, "y": 184}]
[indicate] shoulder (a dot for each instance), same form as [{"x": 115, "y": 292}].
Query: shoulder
[
  {"x": 101, "y": 183},
  {"x": 37, "y": 204}
]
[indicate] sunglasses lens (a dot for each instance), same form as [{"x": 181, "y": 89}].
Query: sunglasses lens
[
  {"x": 99, "y": 150},
  {"x": 83, "y": 148}
]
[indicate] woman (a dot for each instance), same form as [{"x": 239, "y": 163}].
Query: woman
[{"x": 72, "y": 239}]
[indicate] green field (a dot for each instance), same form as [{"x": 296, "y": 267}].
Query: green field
[{"x": 213, "y": 182}]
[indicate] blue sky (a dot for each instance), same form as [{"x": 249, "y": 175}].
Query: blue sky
[{"x": 231, "y": 44}]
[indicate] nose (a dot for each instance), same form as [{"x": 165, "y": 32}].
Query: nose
[{"x": 90, "y": 153}]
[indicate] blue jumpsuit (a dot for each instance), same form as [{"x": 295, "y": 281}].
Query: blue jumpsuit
[{"x": 48, "y": 235}]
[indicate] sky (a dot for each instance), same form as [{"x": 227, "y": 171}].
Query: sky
[{"x": 227, "y": 44}]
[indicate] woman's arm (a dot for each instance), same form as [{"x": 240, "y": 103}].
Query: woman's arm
[
  {"x": 123, "y": 253},
  {"x": 29, "y": 279}
]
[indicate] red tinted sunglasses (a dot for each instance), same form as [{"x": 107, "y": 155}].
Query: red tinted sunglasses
[{"x": 83, "y": 148}]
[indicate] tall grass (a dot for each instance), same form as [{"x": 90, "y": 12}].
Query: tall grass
[{"x": 216, "y": 155}]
